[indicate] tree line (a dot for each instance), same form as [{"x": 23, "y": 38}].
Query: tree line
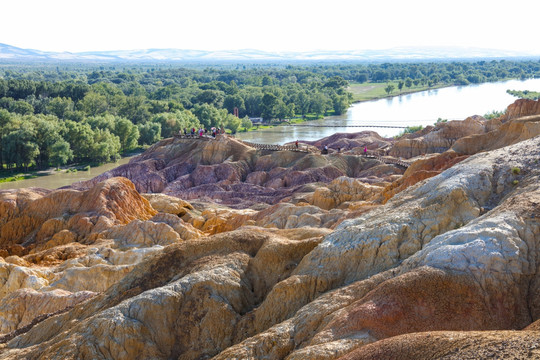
[
  {"x": 51, "y": 115},
  {"x": 525, "y": 94}
]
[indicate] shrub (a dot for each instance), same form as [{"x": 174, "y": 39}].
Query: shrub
[
  {"x": 410, "y": 130},
  {"x": 494, "y": 114},
  {"x": 440, "y": 120}
]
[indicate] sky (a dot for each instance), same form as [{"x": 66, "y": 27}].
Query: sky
[{"x": 270, "y": 25}]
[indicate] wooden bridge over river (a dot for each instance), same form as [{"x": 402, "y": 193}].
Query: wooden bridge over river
[{"x": 301, "y": 148}]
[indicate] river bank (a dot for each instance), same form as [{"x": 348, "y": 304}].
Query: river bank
[
  {"x": 376, "y": 91},
  {"x": 361, "y": 93},
  {"x": 7, "y": 176},
  {"x": 366, "y": 92},
  {"x": 413, "y": 109},
  {"x": 395, "y": 112},
  {"x": 53, "y": 178}
]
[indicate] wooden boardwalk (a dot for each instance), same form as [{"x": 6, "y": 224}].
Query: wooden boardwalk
[
  {"x": 271, "y": 147},
  {"x": 388, "y": 160},
  {"x": 301, "y": 148}
]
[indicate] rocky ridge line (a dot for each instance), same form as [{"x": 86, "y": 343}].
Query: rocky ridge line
[{"x": 322, "y": 256}]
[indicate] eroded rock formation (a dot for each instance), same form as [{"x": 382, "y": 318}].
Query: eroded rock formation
[
  {"x": 214, "y": 249},
  {"x": 228, "y": 172},
  {"x": 438, "y": 138}
]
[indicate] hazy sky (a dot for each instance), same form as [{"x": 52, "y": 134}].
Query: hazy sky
[{"x": 271, "y": 25}]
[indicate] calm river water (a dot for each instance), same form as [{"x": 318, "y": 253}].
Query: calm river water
[{"x": 424, "y": 108}]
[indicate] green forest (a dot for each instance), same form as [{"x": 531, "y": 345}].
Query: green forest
[{"x": 54, "y": 114}]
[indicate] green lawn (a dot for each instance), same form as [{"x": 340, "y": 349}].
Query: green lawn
[{"x": 371, "y": 91}]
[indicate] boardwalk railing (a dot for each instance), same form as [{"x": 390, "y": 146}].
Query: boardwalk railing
[
  {"x": 387, "y": 160},
  {"x": 301, "y": 148},
  {"x": 271, "y": 147}
]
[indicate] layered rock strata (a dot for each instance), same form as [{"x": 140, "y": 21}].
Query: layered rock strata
[
  {"x": 228, "y": 172},
  {"x": 282, "y": 254},
  {"x": 454, "y": 252}
]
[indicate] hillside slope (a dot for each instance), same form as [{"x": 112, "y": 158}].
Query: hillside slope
[{"x": 213, "y": 249}]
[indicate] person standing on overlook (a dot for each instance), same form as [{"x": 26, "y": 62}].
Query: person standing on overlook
[
  {"x": 365, "y": 150},
  {"x": 324, "y": 150}
]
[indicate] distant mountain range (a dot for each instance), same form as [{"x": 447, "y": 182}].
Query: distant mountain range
[{"x": 8, "y": 52}]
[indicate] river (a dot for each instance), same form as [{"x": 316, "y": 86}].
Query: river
[
  {"x": 59, "y": 179},
  {"x": 422, "y": 108}
]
